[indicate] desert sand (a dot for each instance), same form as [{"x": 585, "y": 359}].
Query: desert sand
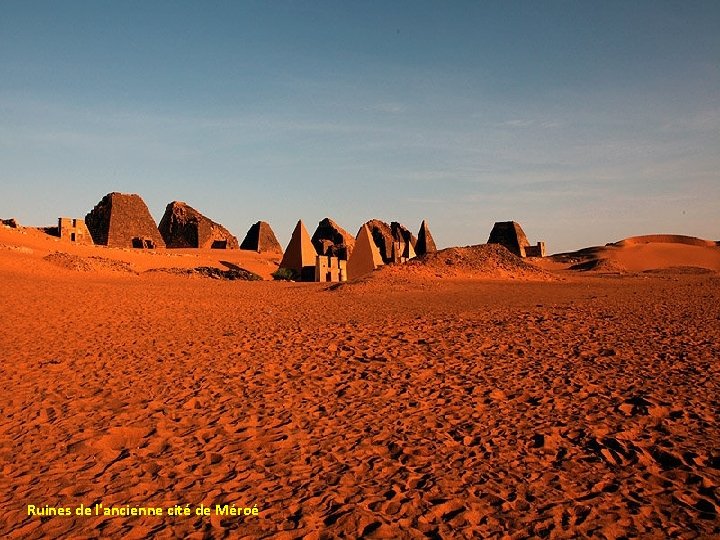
[{"x": 472, "y": 396}]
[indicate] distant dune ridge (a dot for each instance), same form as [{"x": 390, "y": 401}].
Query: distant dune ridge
[{"x": 646, "y": 253}]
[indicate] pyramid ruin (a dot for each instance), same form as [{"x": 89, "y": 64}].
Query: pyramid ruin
[
  {"x": 332, "y": 240},
  {"x": 383, "y": 238},
  {"x": 403, "y": 243},
  {"x": 74, "y": 230},
  {"x": 261, "y": 238},
  {"x": 184, "y": 227},
  {"x": 123, "y": 220},
  {"x": 300, "y": 255},
  {"x": 511, "y": 235},
  {"x": 366, "y": 255},
  {"x": 425, "y": 243}
]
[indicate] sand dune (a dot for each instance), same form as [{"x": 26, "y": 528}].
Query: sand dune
[
  {"x": 642, "y": 254},
  {"x": 464, "y": 408}
]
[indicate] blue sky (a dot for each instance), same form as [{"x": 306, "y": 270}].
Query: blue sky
[{"x": 585, "y": 121}]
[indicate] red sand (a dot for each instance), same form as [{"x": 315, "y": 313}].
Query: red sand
[{"x": 450, "y": 408}]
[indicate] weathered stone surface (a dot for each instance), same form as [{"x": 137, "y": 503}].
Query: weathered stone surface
[
  {"x": 332, "y": 240},
  {"x": 184, "y": 227},
  {"x": 510, "y": 235},
  {"x": 300, "y": 254},
  {"x": 74, "y": 230},
  {"x": 123, "y": 220},
  {"x": 425, "y": 243},
  {"x": 261, "y": 238}
]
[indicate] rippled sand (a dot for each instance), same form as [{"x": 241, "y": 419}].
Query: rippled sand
[{"x": 581, "y": 406}]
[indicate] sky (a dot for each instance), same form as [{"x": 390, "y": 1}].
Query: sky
[{"x": 584, "y": 121}]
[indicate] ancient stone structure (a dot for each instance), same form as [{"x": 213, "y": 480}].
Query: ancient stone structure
[
  {"x": 403, "y": 243},
  {"x": 331, "y": 239},
  {"x": 11, "y": 223},
  {"x": 184, "y": 227},
  {"x": 511, "y": 235},
  {"x": 538, "y": 250},
  {"x": 382, "y": 236},
  {"x": 425, "y": 243},
  {"x": 123, "y": 220},
  {"x": 330, "y": 269},
  {"x": 402, "y": 252},
  {"x": 395, "y": 242},
  {"x": 261, "y": 238},
  {"x": 300, "y": 255},
  {"x": 74, "y": 230},
  {"x": 365, "y": 256}
]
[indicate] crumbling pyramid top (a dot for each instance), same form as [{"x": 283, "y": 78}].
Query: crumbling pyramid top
[
  {"x": 184, "y": 227},
  {"x": 510, "y": 235},
  {"x": 331, "y": 239},
  {"x": 425, "y": 243}
]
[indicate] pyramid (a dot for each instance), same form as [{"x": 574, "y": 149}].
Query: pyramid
[
  {"x": 402, "y": 234},
  {"x": 383, "y": 238},
  {"x": 510, "y": 235},
  {"x": 123, "y": 220},
  {"x": 331, "y": 239},
  {"x": 184, "y": 227},
  {"x": 261, "y": 238},
  {"x": 425, "y": 243},
  {"x": 365, "y": 256},
  {"x": 300, "y": 254}
]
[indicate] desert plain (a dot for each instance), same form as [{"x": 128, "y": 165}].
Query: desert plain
[{"x": 471, "y": 395}]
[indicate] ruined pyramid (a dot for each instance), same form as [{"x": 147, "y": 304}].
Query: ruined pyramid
[
  {"x": 365, "y": 256},
  {"x": 184, "y": 227},
  {"x": 123, "y": 220},
  {"x": 300, "y": 255},
  {"x": 425, "y": 243},
  {"x": 511, "y": 235}
]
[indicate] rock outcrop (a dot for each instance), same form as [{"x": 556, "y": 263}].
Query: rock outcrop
[
  {"x": 184, "y": 227},
  {"x": 331, "y": 239},
  {"x": 261, "y": 238},
  {"x": 123, "y": 220}
]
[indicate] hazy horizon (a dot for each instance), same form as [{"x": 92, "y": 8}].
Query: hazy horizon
[{"x": 584, "y": 122}]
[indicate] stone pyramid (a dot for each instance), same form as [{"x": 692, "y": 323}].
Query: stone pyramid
[
  {"x": 300, "y": 254},
  {"x": 184, "y": 227},
  {"x": 365, "y": 256},
  {"x": 425, "y": 243},
  {"x": 123, "y": 220},
  {"x": 331, "y": 239},
  {"x": 261, "y": 238},
  {"x": 511, "y": 235}
]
